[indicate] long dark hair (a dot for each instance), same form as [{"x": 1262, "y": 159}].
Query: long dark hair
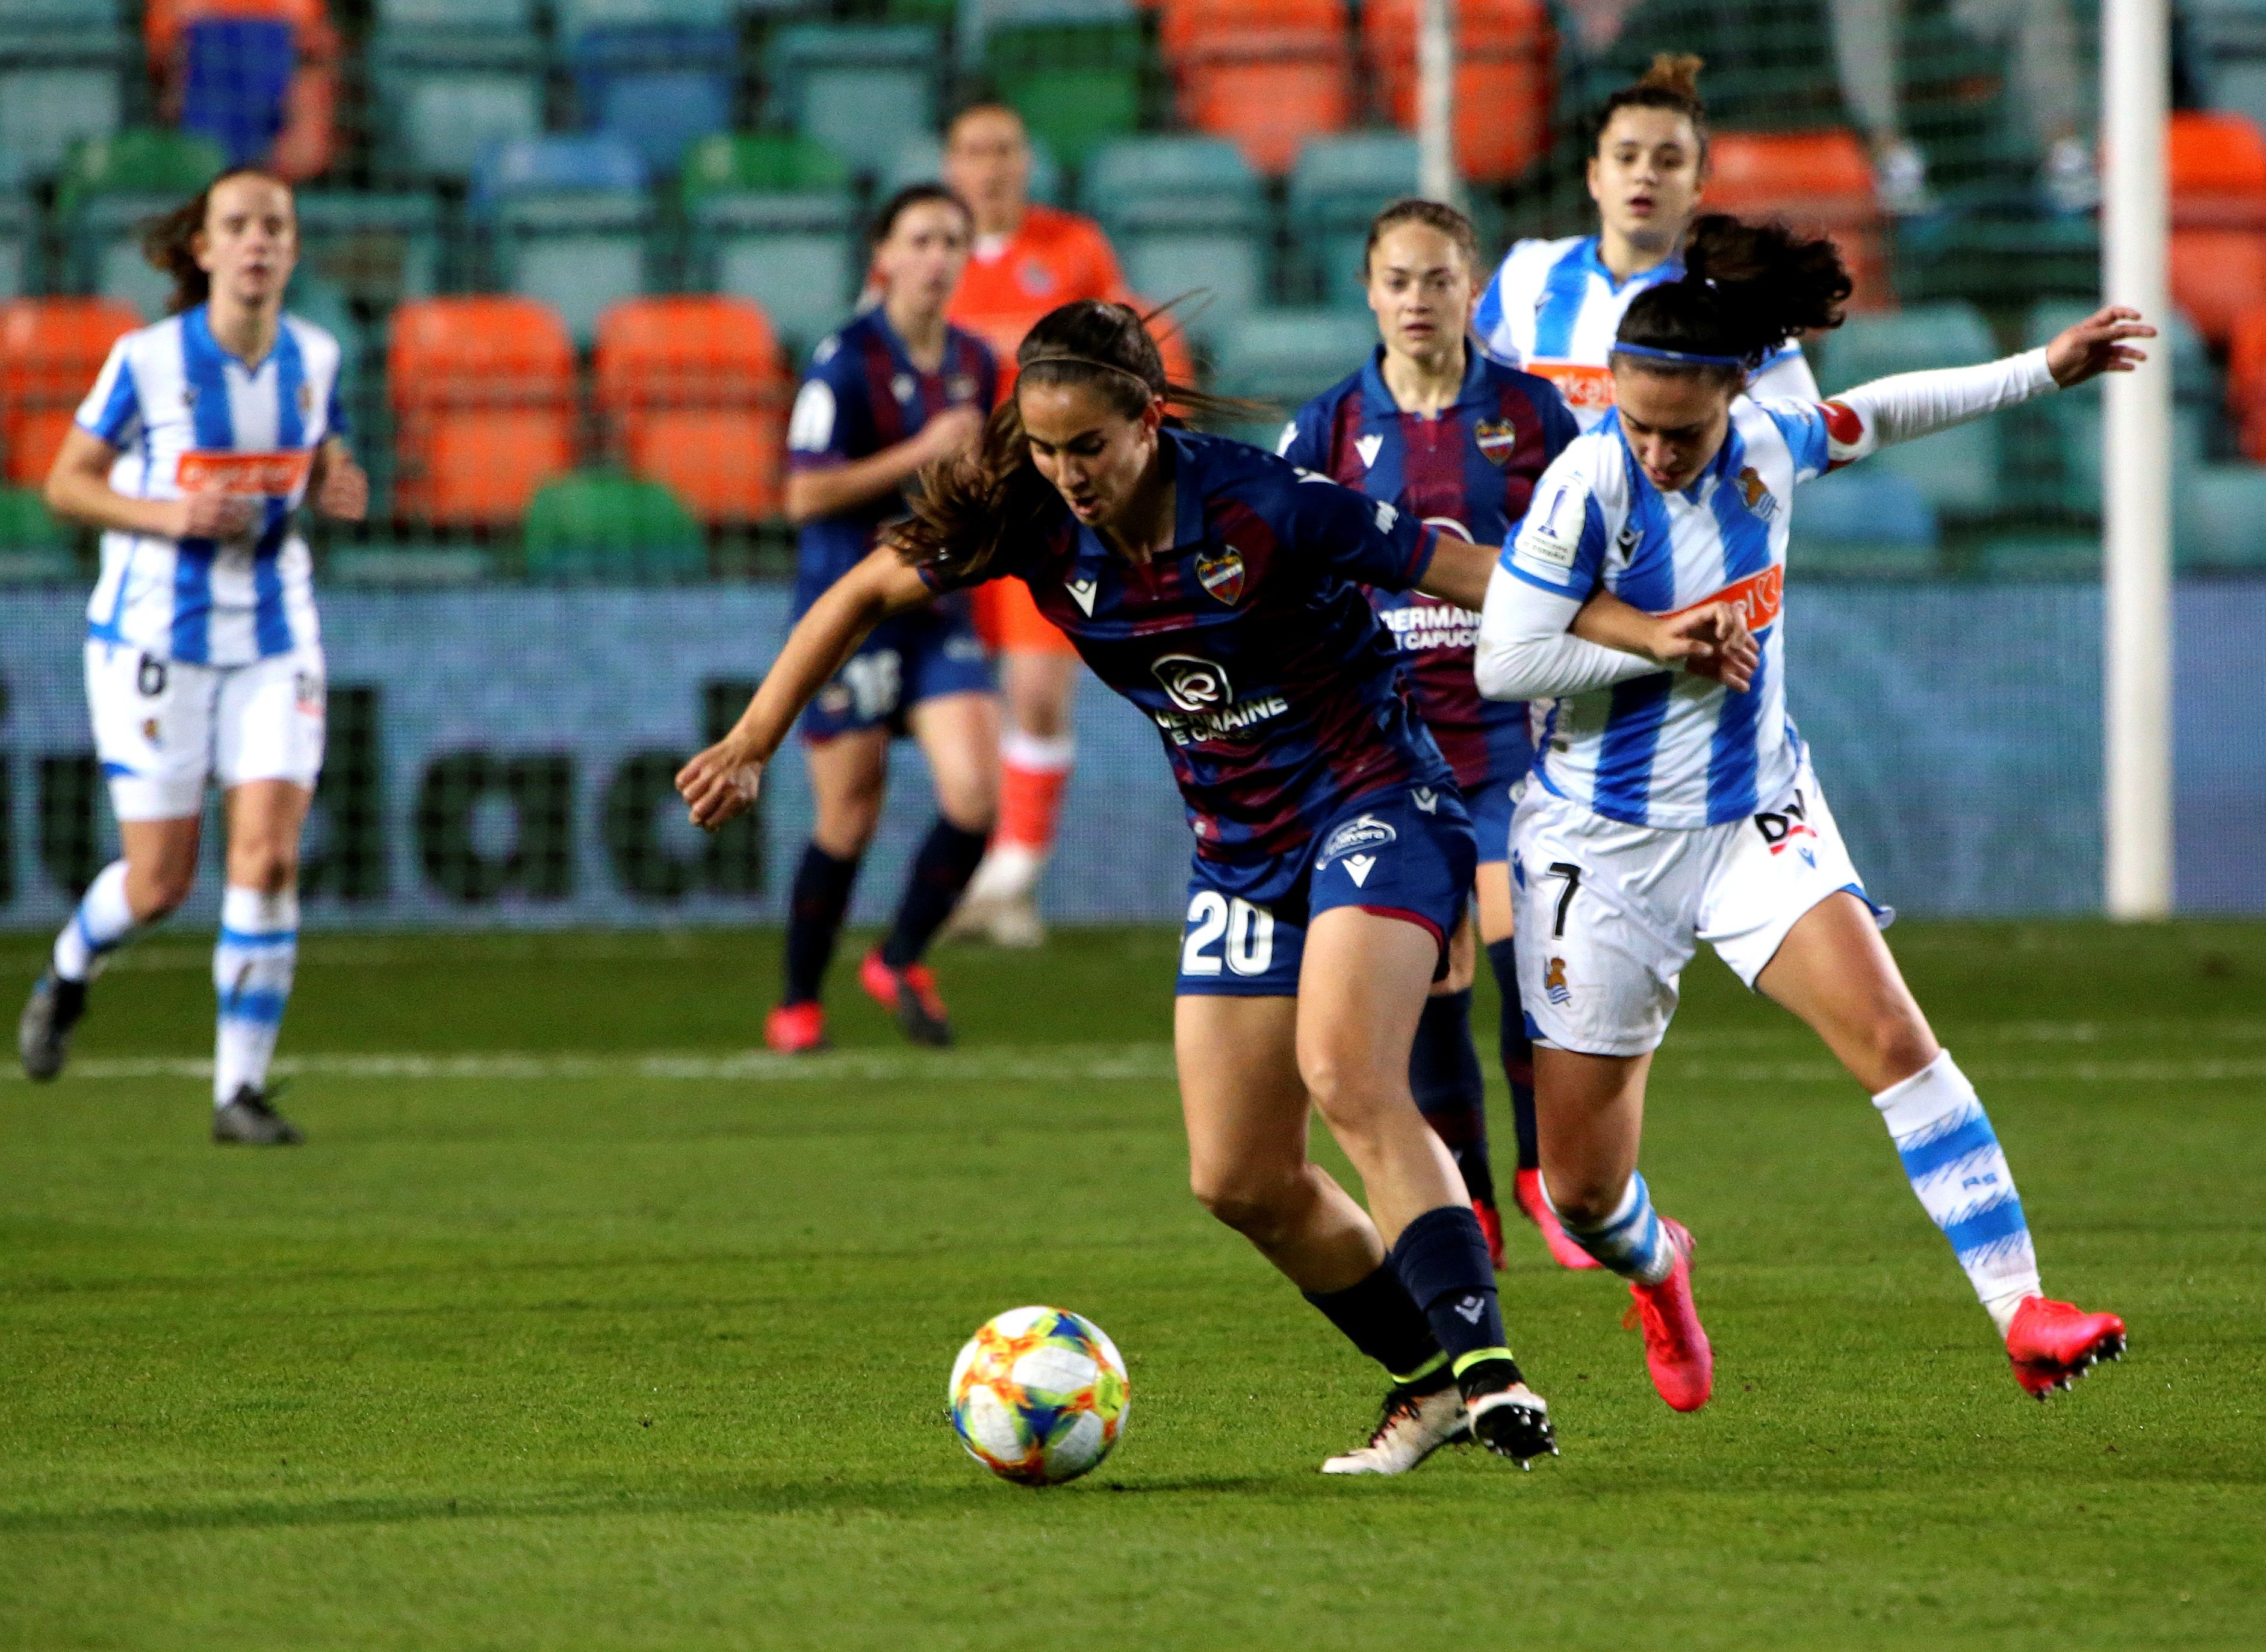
[
  {"x": 1746, "y": 289},
  {"x": 967, "y": 509},
  {"x": 170, "y": 242},
  {"x": 1672, "y": 83}
]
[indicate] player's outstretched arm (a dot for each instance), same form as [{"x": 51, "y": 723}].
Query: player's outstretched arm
[
  {"x": 340, "y": 486},
  {"x": 721, "y": 781},
  {"x": 78, "y": 490}
]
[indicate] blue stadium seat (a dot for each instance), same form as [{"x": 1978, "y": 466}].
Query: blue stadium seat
[
  {"x": 1955, "y": 469},
  {"x": 1864, "y": 523},
  {"x": 2220, "y": 519},
  {"x": 238, "y": 72},
  {"x": 567, "y": 220},
  {"x": 61, "y": 64},
  {"x": 447, "y": 89},
  {"x": 1184, "y": 212},
  {"x": 2069, "y": 424},
  {"x": 1338, "y": 185},
  {"x": 861, "y": 90},
  {"x": 657, "y": 89},
  {"x": 1286, "y": 357}
]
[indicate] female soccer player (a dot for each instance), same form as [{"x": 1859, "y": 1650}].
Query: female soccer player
[
  {"x": 1444, "y": 434},
  {"x": 204, "y": 660},
  {"x": 896, "y": 389},
  {"x": 1552, "y": 307},
  {"x": 1664, "y": 812},
  {"x": 1217, "y": 588}
]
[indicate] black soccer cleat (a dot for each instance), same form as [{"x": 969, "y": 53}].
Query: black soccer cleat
[
  {"x": 910, "y": 995},
  {"x": 249, "y": 1121},
  {"x": 1506, "y": 1416},
  {"x": 43, "y": 1033}
]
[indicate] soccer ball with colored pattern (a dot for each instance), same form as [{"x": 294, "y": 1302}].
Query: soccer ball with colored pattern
[{"x": 1039, "y": 1395}]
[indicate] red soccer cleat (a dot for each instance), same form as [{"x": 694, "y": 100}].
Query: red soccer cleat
[
  {"x": 910, "y": 995},
  {"x": 796, "y": 1029},
  {"x": 1491, "y": 1229},
  {"x": 1676, "y": 1351},
  {"x": 1526, "y": 1187},
  {"x": 2051, "y": 1344}
]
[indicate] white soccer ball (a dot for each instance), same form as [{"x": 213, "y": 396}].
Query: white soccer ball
[{"x": 1039, "y": 1395}]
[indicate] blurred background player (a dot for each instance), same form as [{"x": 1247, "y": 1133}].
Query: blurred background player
[
  {"x": 1028, "y": 258},
  {"x": 204, "y": 659},
  {"x": 1553, "y": 306},
  {"x": 896, "y": 389},
  {"x": 1436, "y": 430}
]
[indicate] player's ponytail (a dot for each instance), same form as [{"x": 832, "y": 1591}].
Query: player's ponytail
[
  {"x": 967, "y": 509},
  {"x": 1746, "y": 290},
  {"x": 1672, "y": 83},
  {"x": 170, "y": 243}
]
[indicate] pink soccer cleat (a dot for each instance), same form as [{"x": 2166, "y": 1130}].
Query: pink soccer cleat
[
  {"x": 1490, "y": 1221},
  {"x": 1526, "y": 1187},
  {"x": 796, "y": 1029},
  {"x": 910, "y": 995},
  {"x": 1676, "y": 1349},
  {"x": 2051, "y": 1344}
]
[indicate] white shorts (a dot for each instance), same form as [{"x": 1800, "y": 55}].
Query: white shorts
[
  {"x": 162, "y": 729},
  {"x": 1608, "y": 913}
]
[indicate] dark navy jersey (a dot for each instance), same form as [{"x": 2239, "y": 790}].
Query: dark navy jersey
[
  {"x": 863, "y": 394},
  {"x": 1250, "y": 644},
  {"x": 1471, "y": 472}
]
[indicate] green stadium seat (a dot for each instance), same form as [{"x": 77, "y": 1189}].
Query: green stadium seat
[
  {"x": 1338, "y": 185},
  {"x": 60, "y": 85},
  {"x": 1185, "y": 212},
  {"x": 1072, "y": 69},
  {"x": 2220, "y": 520},
  {"x": 760, "y": 163},
  {"x": 34, "y": 547},
  {"x": 1864, "y": 523},
  {"x": 859, "y": 89},
  {"x": 600, "y": 526},
  {"x": 1283, "y": 358},
  {"x": 1956, "y": 470},
  {"x": 772, "y": 220}
]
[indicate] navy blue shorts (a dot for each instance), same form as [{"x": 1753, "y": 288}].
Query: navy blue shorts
[
  {"x": 915, "y": 657},
  {"x": 1404, "y": 853},
  {"x": 1490, "y": 808}
]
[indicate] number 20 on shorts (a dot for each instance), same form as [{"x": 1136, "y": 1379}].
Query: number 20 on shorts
[{"x": 1246, "y": 930}]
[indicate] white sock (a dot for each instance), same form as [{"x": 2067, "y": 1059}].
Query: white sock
[
  {"x": 1953, "y": 1159},
  {"x": 1631, "y": 1242},
  {"x": 1037, "y": 753},
  {"x": 102, "y": 923},
  {"x": 1009, "y": 872},
  {"x": 252, "y": 964}
]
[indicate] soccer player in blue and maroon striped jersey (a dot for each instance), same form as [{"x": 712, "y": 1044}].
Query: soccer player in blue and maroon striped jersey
[{"x": 1434, "y": 427}]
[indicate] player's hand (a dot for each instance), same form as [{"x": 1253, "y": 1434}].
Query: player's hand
[
  {"x": 1710, "y": 641},
  {"x": 2096, "y": 345},
  {"x": 344, "y": 491},
  {"x": 950, "y": 434},
  {"x": 214, "y": 516},
  {"x": 720, "y": 783}
]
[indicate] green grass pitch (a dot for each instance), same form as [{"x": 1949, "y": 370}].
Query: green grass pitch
[{"x": 574, "y": 1326}]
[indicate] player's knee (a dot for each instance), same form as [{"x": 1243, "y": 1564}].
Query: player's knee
[
  {"x": 1351, "y": 1098},
  {"x": 263, "y": 867},
  {"x": 158, "y": 891},
  {"x": 1897, "y": 1047},
  {"x": 1257, "y": 1202},
  {"x": 1583, "y": 1200}
]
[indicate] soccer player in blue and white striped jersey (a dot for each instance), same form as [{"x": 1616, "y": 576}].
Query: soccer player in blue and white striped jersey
[
  {"x": 1665, "y": 809},
  {"x": 204, "y": 663}
]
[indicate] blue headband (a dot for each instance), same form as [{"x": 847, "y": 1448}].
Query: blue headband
[{"x": 1687, "y": 358}]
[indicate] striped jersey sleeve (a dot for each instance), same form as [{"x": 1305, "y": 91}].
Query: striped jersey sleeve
[{"x": 112, "y": 409}]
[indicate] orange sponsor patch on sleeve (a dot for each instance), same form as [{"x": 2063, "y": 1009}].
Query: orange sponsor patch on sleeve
[
  {"x": 1756, "y": 597},
  {"x": 1585, "y": 387},
  {"x": 253, "y": 475}
]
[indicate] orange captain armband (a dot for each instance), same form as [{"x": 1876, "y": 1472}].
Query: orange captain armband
[{"x": 254, "y": 475}]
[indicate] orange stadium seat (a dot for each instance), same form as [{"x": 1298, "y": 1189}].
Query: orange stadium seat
[
  {"x": 1504, "y": 49},
  {"x": 694, "y": 391},
  {"x": 50, "y": 351},
  {"x": 1817, "y": 181},
  {"x": 2246, "y": 379},
  {"x": 1265, "y": 74},
  {"x": 483, "y": 394},
  {"x": 2218, "y": 166}
]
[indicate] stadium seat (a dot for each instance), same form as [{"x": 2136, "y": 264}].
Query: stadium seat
[
  {"x": 657, "y": 89},
  {"x": 771, "y": 221},
  {"x": 2068, "y": 479},
  {"x": 859, "y": 89},
  {"x": 2220, "y": 520},
  {"x": 106, "y": 198},
  {"x": 567, "y": 220},
  {"x": 1269, "y": 88},
  {"x": 483, "y": 397},
  {"x": 1283, "y": 358},
  {"x": 1338, "y": 187},
  {"x": 18, "y": 240},
  {"x": 1955, "y": 469},
  {"x": 2218, "y": 169},
  {"x": 452, "y": 80},
  {"x": 1820, "y": 182},
  {"x": 60, "y": 62},
  {"x": 2228, "y": 39},
  {"x": 1071, "y": 68},
  {"x": 258, "y": 77},
  {"x": 600, "y": 525},
  {"x": 1504, "y": 49},
  {"x": 379, "y": 249},
  {"x": 575, "y": 16},
  {"x": 694, "y": 394},
  {"x": 1184, "y": 213},
  {"x": 2245, "y": 380},
  {"x": 50, "y": 351},
  {"x": 25, "y": 524},
  {"x": 1865, "y": 523}
]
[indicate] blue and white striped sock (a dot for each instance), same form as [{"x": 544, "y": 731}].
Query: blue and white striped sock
[
  {"x": 1953, "y": 1157},
  {"x": 253, "y": 963},
  {"x": 1631, "y": 1242},
  {"x": 102, "y": 923}
]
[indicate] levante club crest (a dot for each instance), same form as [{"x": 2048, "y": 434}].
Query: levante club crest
[
  {"x": 1223, "y": 574},
  {"x": 1496, "y": 439}
]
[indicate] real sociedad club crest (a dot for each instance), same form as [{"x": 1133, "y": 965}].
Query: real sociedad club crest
[
  {"x": 1222, "y": 574},
  {"x": 1497, "y": 439}
]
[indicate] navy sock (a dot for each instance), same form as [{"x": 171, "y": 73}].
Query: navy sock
[
  {"x": 1517, "y": 1051},
  {"x": 948, "y": 858},
  {"x": 1379, "y": 1319},
  {"x": 1443, "y": 1071},
  {"x": 1441, "y": 1259},
  {"x": 814, "y": 919}
]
